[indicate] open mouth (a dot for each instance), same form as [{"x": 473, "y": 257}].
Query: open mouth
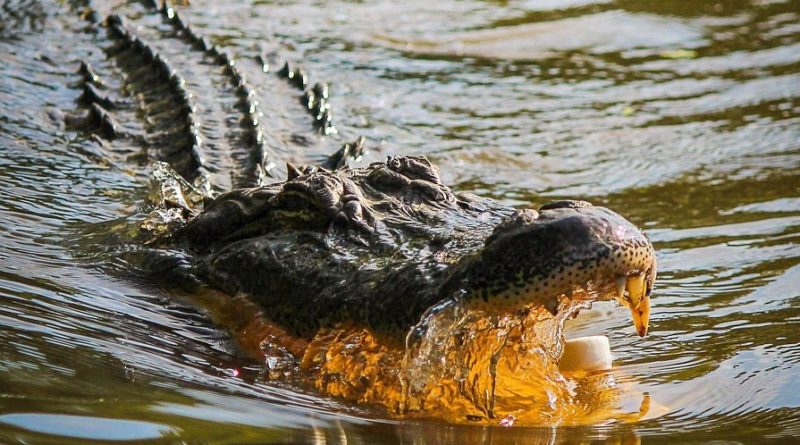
[
  {"x": 582, "y": 354},
  {"x": 519, "y": 364}
]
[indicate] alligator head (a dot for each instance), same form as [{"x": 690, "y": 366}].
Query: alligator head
[
  {"x": 382, "y": 244},
  {"x": 353, "y": 261}
]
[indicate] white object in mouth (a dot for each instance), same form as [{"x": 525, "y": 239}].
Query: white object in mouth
[{"x": 586, "y": 354}]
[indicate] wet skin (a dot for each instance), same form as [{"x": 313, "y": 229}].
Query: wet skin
[{"x": 378, "y": 246}]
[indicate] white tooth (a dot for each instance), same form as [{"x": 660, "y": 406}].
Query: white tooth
[{"x": 620, "y": 282}]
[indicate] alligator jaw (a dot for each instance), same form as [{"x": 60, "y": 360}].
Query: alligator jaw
[{"x": 569, "y": 250}]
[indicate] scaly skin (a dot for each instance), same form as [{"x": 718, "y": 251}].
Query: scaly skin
[{"x": 378, "y": 246}]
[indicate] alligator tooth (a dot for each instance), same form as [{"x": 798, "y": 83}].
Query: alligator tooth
[
  {"x": 641, "y": 316},
  {"x": 286, "y": 71},
  {"x": 635, "y": 286},
  {"x": 640, "y": 303},
  {"x": 620, "y": 283}
]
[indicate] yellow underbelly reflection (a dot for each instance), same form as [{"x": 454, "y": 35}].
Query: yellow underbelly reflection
[{"x": 466, "y": 367}]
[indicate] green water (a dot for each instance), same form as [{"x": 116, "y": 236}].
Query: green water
[{"x": 682, "y": 116}]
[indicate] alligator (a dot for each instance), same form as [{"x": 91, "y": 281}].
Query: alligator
[
  {"x": 384, "y": 252},
  {"x": 355, "y": 273}
]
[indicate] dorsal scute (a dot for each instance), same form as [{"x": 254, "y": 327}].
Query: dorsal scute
[
  {"x": 415, "y": 167},
  {"x": 411, "y": 182},
  {"x": 323, "y": 189},
  {"x": 401, "y": 192}
]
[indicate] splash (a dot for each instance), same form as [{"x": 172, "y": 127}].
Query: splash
[
  {"x": 478, "y": 365},
  {"x": 466, "y": 366}
]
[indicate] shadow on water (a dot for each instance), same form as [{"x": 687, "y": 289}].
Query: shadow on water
[{"x": 681, "y": 116}]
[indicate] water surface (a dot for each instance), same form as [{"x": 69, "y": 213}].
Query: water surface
[{"x": 684, "y": 117}]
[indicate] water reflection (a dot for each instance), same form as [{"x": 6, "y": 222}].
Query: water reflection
[
  {"x": 87, "y": 428},
  {"x": 549, "y": 39},
  {"x": 682, "y": 116}
]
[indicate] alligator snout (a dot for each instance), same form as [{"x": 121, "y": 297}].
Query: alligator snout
[{"x": 537, "y": 258}]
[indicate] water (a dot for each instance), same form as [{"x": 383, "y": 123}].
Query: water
[{"x": 682, "y": 117}]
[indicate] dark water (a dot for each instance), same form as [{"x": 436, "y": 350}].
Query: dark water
[{"x": 683, "y": 116}]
